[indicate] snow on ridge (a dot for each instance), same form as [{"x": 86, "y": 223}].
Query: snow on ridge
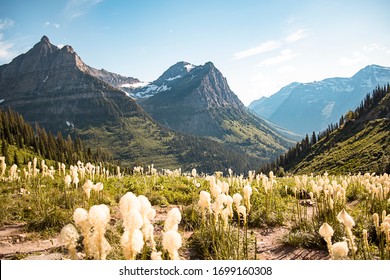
[
  {"x": 2, "y": 100},
  {"x": 135, "y": 85},
  {"x": 173, "y": 78},
  {"x": 189, "y": 67}
]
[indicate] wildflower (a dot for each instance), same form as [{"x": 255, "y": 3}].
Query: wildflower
[
  {"x": 247, "y": 196},
  {"x": 132, "y": 243},
  {"x": 172, "y": 243},
  {"x": 229, "y": 202},
  {"x": 326, "y": 232},
  {"x": 67, "y": 180},
  {"x": 346, "y": 219},
  {"x": 173, "y": 220},
  {"x": 69, "y": 237},
  {"x": 99, "y": 216},
  {"x": 242, "y": 210},
  {"x": 156, "y": 256},
  {"x": 204, "y": 201},
  {"x": 237, "y": 199},
  {"x": 340, "y": 250}
]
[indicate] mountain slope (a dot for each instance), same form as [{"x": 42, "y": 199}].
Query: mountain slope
[
  {"x": 360, "y": 144},
  {"x": 56, "y": 89},
  {"x": 197, "y": 100},
  {"x": 308, "y": 107}
]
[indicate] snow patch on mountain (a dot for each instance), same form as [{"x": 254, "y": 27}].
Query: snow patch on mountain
[
  {"x": 174, "y": 78},
  {"x": 189, "y": 67},
  {"x": 327, "y": 111}
]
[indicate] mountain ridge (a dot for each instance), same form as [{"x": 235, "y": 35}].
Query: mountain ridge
[
  {"x": 307, "y": 107},
  {"x": 200, "y": 102},
  {"x": 55, "y": 88}
]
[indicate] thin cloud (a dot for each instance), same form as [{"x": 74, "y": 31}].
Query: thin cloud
[
  {"x": 5, "y": 46},
  {"x": 49, "y": 24},
  {"x": 285, "y": 55},
  {"x": 6, "y": 23},
  {"x": 296, "y": 36},
  {"x": 262, "y": 48},
  {"x": 355, "y": 59},
  {"x": 77, "y": 8},
  {"x": 271, "y": 45}
]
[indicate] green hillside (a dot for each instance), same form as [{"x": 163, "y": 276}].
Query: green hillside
[{"x": 358, "y": 143}]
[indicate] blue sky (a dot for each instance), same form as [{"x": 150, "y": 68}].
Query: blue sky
[{"x": 259, "y": 46}]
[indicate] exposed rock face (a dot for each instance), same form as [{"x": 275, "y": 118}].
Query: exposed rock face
[
  {"x": 200, "y": 102},
  {"x": 54, "y": 87}
]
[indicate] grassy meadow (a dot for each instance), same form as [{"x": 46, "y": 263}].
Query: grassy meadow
[{"x": 103, "y": 213}]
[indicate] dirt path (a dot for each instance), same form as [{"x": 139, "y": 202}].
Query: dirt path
[
  {"x": 16, "y": 244},
  {"x": 271, "y": 247}
]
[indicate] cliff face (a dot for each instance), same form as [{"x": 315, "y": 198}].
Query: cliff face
[
  {"x": 54, "y": 87},
  {"x": 197, "y": 100}
]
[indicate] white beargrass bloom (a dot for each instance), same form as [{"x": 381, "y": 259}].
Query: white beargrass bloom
[
  {"x": 173, "y": 220},
  {"x": 340, "y": 250},
  {"x": 375, "y": 217},
  {"x": 326, "y": 230},
  {"x": 156, "y": 256},
  {"x": 229, "y": 204},
  {"x": 67, "y": 180},
  {"x": 99, "y": 216},
  {"x": 69, "y": 237},
  {"x": 127, "y": 202},
  {"x": 87, "y": 187},
  {"x": 215, "y": 190},
  {"x": 247, "y": 196},
  {"x": 242, "y": 210},
  {"x": 97, "y": 187},
  {"x": 172, "y": 243},
  {"x": 237, "y": 199},
  {"x": 346, "y": 219},
  {"x": 204, "y": 202},
  {"x": 133, "y": 220},
  {"x": 132, "y": 243}
]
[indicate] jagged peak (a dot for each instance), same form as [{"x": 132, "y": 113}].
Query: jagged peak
[
  {"x": 45, "y": 39},
  {"x": 68, "y": 48}
]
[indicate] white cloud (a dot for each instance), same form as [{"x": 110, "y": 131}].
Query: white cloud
[
  {"x": 271, "y": 45},
  {"x": 6, "y": 23},
  {"x": 77, "y": 8},
  {"x": 285, "y": 55},
  {"x": 355, "y": 59},
  {"x": 49, "y": 24},
  {"x": 376, "y": 47},
  {"x": 296, "y": 36},
  {"x": 262, "y": 48},
  {"x": 286, "y": 69},
  {"x": 5, "y": 46}
]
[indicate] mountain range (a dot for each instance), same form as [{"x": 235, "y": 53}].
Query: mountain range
[
  {"x": 197, "y": 100},
  {"x": 53, "y": 87},
  {"x": 307, "y": 107},
  {"x": 359, "y": 143}
]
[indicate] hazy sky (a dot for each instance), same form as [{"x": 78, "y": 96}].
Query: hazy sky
[{"x": 259, "y": 46}]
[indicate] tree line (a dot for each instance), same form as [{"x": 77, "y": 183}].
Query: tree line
[{"x": 17, "y": 132}]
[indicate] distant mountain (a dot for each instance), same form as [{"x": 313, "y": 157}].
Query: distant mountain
[
  {"x": 360, "y": 143},
  {"x": 197, "y": 100},
  {"x": 307, "y": 107},
  {"x": 55, "y": 88}
]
